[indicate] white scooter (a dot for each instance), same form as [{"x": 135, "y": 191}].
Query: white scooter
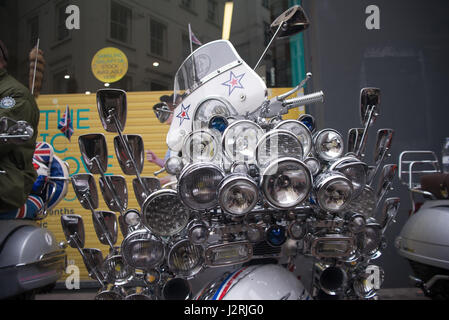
[{"x": 424, "y": 239}]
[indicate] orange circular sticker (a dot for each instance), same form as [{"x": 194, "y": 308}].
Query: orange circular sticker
[{"x": 109, "y": 65}]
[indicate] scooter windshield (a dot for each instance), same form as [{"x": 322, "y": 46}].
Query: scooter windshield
[{"x": 202, "y": 65}]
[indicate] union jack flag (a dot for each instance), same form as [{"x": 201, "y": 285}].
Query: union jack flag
[
  {"x": 43, "y": 153},
  {"x": 66, "y": 125},
  {"x": 195, "y": 40}
]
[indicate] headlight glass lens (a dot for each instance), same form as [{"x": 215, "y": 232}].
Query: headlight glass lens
[
  {"x": 238, "y": 195},
  {"x": 354, "y": 170},
  {"x": 240, "y": 140},
  {"x": 185, "y": 258},
  {"x": 174, "y": 166},
  {"x": 300, "y": 130},
  {"x": 286, "y": 183},
  {"x": 117, "y": 271},
  {"x": 329, "y": 145},
  {"x": 229, "y": 254},
  {"x": 200, "y": 146},
  {"x": 334, "y": 191},
  {"x": 164, "y": 214},
  {"x": 141, "y": 250},
  {"x": 207, "y": 110},
  {"x": 314, "y": 165},
  {"x": 132, "y": 218},
  {"x": 278, "y": 144},
  {"x": 198, "y": 185}
]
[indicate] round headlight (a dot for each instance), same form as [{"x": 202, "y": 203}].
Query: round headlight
[
  {"x": 286, "y": 183},
  {"x": 240, "y": 140},
  {"x": 198, "y": 233},
  {"x": 200, "y": 146},
  {"x": 329, "y": 145},
  {"x": 308, "y": 121},
  {"x": 186, "y": 259},
  {"x": 300, "y": 130},
  {"x": 278, "y": 144},
  {"x": 208, "y": 109},
  {"x": 117, "y": 272},
  {"x": 354, "y": 170},
  {"x": 314, "y": 165},
  {"x": 164, "y": 214},
  {"x": 142, "y": 250},
  {"x": 333, "y": 191},
  {"x": 238, "y": 195},
  {"x": 198, "y": 185},
  {"x": 174, "y": 166},
  {"x": 296, "y": 230},
  {"x": 276, "y": 236},
  {"x": 132, "y": 218}
]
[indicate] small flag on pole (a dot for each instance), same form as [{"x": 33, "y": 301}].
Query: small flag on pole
[
  {"x": 66, "y": 125},
  {"x": 193, "y": 38}
]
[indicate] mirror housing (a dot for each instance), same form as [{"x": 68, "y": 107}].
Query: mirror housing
[
  {"x": 118, "y": 194},
  {"x": 73, "y": 228},
  {"x": 86, "y": 190},
  {"x": 293, "y": 21},
  {"x": 136, "y": 146},
  {"x": 369, "y": 100},
  {"x": 93, "y": 146},
  {"x": 105, "y": 221},
  {"x": 151, "y": 184},
  {"x": 112, "y": 108}
]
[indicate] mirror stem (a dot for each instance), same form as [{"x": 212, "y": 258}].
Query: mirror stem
[
  {"x": 269, "y": 45},
  {"x": 99, "y": 223},
  {"x": 109, "y": 186},
  {"x": 365, "y": 133}
]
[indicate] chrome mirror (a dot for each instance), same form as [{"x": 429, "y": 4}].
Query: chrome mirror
[
  {"x": 355, "y": 139},
  {"x": 94, "y": 150},
  {"x": 141, "y": 192},
  {"x": 105, "y": 225},
  {"x": 389, "y": 212},
  {"x": 73, "y": 228},
  {"x": 383, "y": 145},
  {"x": 86, "y": 190},
  {"x": 112, "y": 108},
  {"x": 136, "y": 148},
  {"x": 385, "y": 181},
  {"x": 292, "y": 21},
  {"x": 369, "y": 105},
  {"x": 93, "y": 260},
  {"x": 115, "y": 192}
]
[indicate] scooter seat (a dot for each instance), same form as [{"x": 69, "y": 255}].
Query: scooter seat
[{"x": 437, "y": 184}]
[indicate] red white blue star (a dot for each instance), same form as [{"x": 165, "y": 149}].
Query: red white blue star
[
  {"x": 184, "y": 114},
  {"x": 234, "y": 82}
]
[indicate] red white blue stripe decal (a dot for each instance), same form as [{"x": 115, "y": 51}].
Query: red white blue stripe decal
[{"x": 226, "y": 285}]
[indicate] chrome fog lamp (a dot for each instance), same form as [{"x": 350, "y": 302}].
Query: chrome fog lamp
[
  {"x": 255, "y": 233},
  {"x": 314, "y": 165},
  {"x": 354, "y": 170},
  {"x": 132, "y": 218},
  {"x": 328, "y": 144},
  {"x": 300, "y": 130},
  {"x": 117, "y": 271},
  {"x": 198, "y": 185},
  {"x": 185, "y": 259},
  {"x": 366, "y": 284},
  {"x": 278, "y": 144},
  {"x": 286, "y": 183},
  {"x": 138, "y": 293},
  {"x": 296, "y": 230},
  {"x": 332, "y": 246},
  {"x": 371, "y": 240},
  {"x": 152, "y": 277},
  {"x": 174, "y": 166},
  {"x": 219, "y": 123},
  {"x": 333, "y": 191},
  {"x": 208, "y": 109},
  {"x": 357, "y": 223},
  {"x": 198, "y": 232},
  {"x": 142, "y": 250},
  {"x": 200, "y": 146},
  {"x": 276, "y": 236},
  {"x": 238, "y": 195},
  {"x": 229, "y": 254},
  {"x": 163, "y": 213},
  {"x": 240, "y": 140}
]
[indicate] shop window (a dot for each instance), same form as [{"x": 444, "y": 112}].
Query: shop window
[
  {"x": 120, "y": 22},
  {"x": 158, "y": 38},
  {"x": 62, "y": 32},
  {"x": 212, "y": 13}
]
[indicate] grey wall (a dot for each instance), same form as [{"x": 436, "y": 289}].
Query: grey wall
[{"x": 407, "y": 58}]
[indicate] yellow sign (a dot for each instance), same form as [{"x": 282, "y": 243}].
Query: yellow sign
[{"x": 109, "y": 65}]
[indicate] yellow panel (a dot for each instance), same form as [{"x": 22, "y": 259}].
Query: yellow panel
[{"x": 140, "y": 120}]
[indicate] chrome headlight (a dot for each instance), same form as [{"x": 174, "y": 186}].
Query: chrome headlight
[
  {"x": 142, "y": 250},
  {"x": 198, "y": 185},
  {"x": 296, "y": 230},
  {"x": 174, "y": 166},
  {"x": 186, "y": 259},
  {"x": 117, "y": 271},
  {"x": 200, "y": 146},
  {"x": 300, "y": 130},
  {"x": 286, "y": 183},
  {"x": 238, "y": 195},
  {"x": 332, "y": 246},
  {"x": 240, "y": 140},
  {"x": 278, "y": 144},
  {"x": 208, "y": 109},
  {"x": 229, "y": 254},
  {"x": 333, "y": 191},
  {"x": 163, "y": 213},
  {"x": 132, "y": 218},
  {"x": 314, "y": 165},
  {"x": 354, "y": 170},
  {"x": 328, "y": 144}
]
